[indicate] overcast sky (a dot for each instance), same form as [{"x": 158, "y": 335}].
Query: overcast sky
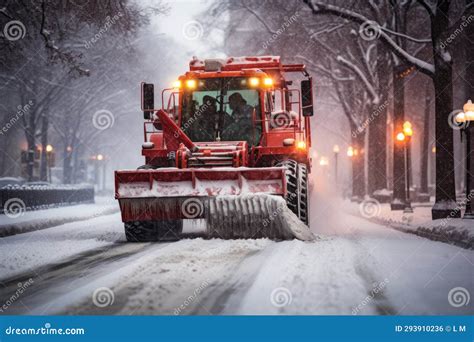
[{"x": 182, "y": 24}]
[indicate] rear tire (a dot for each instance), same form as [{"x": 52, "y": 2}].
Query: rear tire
[{"x": 151, "y": 231}]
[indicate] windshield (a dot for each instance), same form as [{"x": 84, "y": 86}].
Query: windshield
[{"x": 221, "y": 108}]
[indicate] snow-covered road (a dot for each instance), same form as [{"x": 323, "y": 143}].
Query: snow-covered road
[{"x": 356, "y": 267}]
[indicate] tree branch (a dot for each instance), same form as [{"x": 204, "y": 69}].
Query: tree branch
[{"x": 319, "y": 8}]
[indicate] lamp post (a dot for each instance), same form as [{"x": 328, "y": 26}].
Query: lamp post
[
  {"x": 408, "y": 132},
  {"x": 323, "y": 161},
  {"x": 466, "y": 120},
  {"x": 403, "y": 139},
  {"x": 350, "y": 151},
  {"x": 100, "y": 162},
  {"x": 49, "y": 151},
  {"x": 336, "y": 157}
]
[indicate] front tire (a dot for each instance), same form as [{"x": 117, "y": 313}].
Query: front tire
[
  {"x": 297, "y": 188},
  {"x": 152, "y": 231},
  {"x": 302, "y": 176}
]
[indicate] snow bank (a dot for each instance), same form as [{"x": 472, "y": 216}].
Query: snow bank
[
  {"x": 454, "y": 231},
  {"x": 42, "y": 219},
  {"x": 26, "y": 252}
]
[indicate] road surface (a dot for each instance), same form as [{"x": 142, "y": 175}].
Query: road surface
[{"x": 355, "y": 267}]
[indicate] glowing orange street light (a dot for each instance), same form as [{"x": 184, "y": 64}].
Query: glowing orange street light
[
  {"x": 406, "y": 136},
  {"x": 401, "y": 136},
  {"x": 49, "y": 148},
  {"x": 466, "y": 118},
  {"x": 407, "y": 129},
  {"x": 100, "y": 157},
  {"x": 350, "y": 151}
]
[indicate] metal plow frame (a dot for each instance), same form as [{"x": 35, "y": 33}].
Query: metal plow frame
[{"x": 235, "y": 202}]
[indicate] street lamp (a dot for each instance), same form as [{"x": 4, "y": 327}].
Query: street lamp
[
  {"x": 49, "y": 151},
  {"x": 323, "y": 161},
  {"x": 100, "y": 162},
  {"x": 408, "y": 132},
  {"x": 466, "y": 119},
  {"x": 336, "y": 150},
  {"x": 350, "y": 151}
]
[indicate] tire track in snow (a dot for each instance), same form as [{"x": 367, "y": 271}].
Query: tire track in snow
[
  {"x": 243, "y": 275},
  {"x": 165, "y": 282},
  {"x": 61, "y": 278}
]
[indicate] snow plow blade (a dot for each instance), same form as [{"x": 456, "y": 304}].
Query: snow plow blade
[{"x": 235, "y": 202}]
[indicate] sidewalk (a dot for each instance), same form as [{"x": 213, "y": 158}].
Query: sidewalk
[
  {"x": 453, "y": 231},
  {"x": 27, "y": 221}
]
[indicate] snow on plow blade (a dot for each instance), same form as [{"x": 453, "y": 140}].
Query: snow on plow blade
[{"x": 235, "y": 202}]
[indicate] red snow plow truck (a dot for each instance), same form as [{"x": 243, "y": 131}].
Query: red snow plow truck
[{"x": 230, "y": 145}]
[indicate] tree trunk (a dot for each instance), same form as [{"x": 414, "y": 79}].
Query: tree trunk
[
  {"x": 67, "y": 168},
  {"x": 399, "y": 184},
  {"x": 468, "y": 59},
  {"x": 358, "y": 168},
  {"x": 30, "y": 131},
  {"x": 425, "y": 147},
  {"x": 44, "y": 143},
  {"x": 445, "y": 203},
  {"x": 377, "y": 146},
  {"x": 76, "y": 168}
]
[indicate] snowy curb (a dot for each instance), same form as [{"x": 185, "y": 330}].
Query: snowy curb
[
  {"x": 39, "y": 224},
  {"x": 443, "y": 232}
]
